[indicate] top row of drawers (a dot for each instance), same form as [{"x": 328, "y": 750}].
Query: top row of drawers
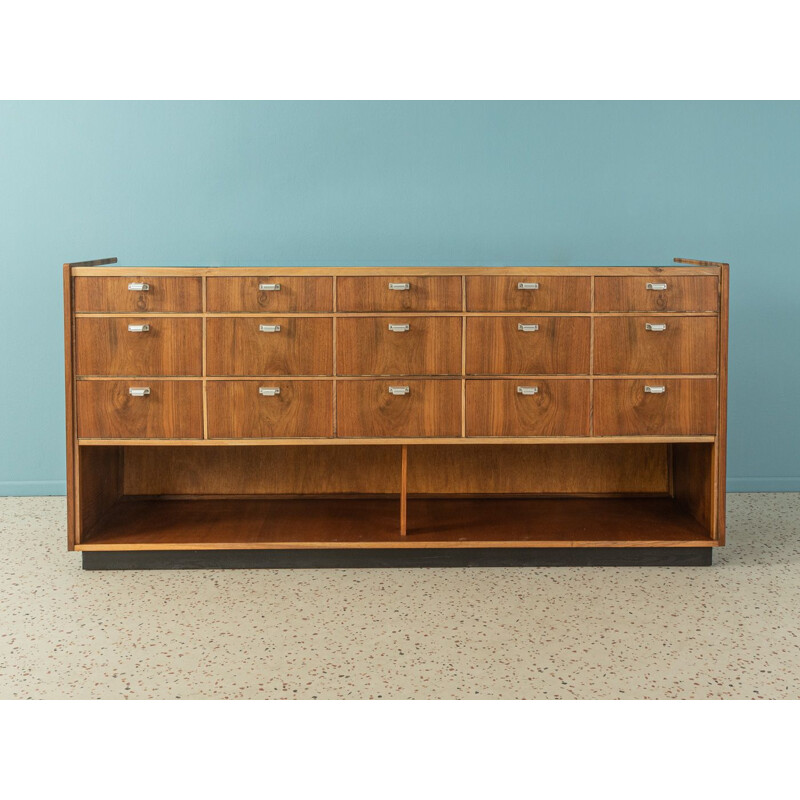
[{"x": 302, "y": 294}]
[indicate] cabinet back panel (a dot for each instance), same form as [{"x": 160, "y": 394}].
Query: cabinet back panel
[{"x": 432, "y": 469}]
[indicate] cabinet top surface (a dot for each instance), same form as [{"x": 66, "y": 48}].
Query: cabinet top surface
[{"x": 398, "y": 270}]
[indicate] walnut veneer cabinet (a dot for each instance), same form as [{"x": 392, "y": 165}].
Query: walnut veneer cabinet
[{"x": 385, "y": 416}]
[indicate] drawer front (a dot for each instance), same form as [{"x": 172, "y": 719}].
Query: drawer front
[
  {"x": 270, "y": 294},
  {"x": 140, "y": 409},
  {"x": 646, "y": 345},
  {"x": 528, "y": 345},
  {"x": 528, "y": 407},
  {"x": 531, "y": 293},
  {"x": 398, "y": 293},
  {"x": 139, "y": 294},
  {"x": 682, "y": 293},
  {"x": 369, "y": 409},
  {"x": 671, "y": 407},
  {"x": 138, "y": 346},
  {"x": 269, "y": 408},
  {"x": 269, "y": 345},
  {"x": 398, "y": 345}
]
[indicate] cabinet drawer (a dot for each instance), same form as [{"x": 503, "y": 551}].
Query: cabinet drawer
[
  {"x": 269, "y": 293},
  {"x": 648, "y": 345},
  {"x": 269, "y": 345},
  {"x": 138, "y": 346},
  {"x": 269, "y": 408},
  {"x": 398, "y": 293},
  {"x": 398, "y": 346},
  {"x": 140, "y": 294},
  {"x": 528, "y": 345},
  {"x": 368, "y": 408},
  {"x": 528, "y": 407},
  {"x": 670, "y": 407},
  {"x": 140, "y": 409},
  {"x": 529, "y": 293},
  {"x": 682, "y": 293}
]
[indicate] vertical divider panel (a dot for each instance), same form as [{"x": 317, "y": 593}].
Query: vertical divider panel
[
  {"x": 403, "y": 489},
  {"x": 205, "y": 392},
  {"x": 335, "y": 367},
  {"x": 463, "y": 356},
  {"x": 591, "y": 361}
]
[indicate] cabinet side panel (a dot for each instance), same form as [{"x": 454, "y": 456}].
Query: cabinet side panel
[
  {"x": 722, "y": 382},
  {"x": 99, "y": 484},
  {"x": 69, "y": 396},
  {"x": 693, "y": 481}
]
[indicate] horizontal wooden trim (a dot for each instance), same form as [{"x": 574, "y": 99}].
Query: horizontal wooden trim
[
  {"x": 392, "y": 441},
  {"x": 99, "y": 262},
  {"x": 340, "y": 314},
  {"x": 388, "y": 545},
  {"x": 468, "y": 376},
  {"x": 278, "y": 272},
  {"x": 701, "y": 263}
]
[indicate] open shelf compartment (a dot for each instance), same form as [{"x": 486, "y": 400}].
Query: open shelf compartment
[{"x": 294, "y": 497}]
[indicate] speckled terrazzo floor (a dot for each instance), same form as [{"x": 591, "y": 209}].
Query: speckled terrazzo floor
[{"x": 728, "y": 631}]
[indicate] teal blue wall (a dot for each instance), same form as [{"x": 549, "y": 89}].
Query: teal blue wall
[{"x": 427, "y": 183}]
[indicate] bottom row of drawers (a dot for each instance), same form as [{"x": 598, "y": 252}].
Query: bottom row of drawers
[{"x": 158, "y": 409}]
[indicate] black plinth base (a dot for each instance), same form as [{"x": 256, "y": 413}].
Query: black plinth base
[{"x": 385, "y": 558}]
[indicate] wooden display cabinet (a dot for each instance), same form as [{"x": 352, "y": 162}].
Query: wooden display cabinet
[{"x": 382, "y": 416}]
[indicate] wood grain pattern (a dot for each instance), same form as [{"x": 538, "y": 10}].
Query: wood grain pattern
[
  {"x": 236, "y": 346},
  {"x": 565, "y": 468},
  {"x": 541, "y": 522},
  {"x": 237, "y": 410},
  {"x": 105, "y": 346},
  {"x": 441, "y": 293},
  {"x": 173, "y": 409},
  {"x": 496, "y": 346},
  {"x": 496, "y": 408},
  {"x": 239, "y": 470},
  {"x": 622, "y": 407},
  {"x": 69, "y": 395},
  {"x": 112, "y": 294},
  {"x": 393, "y": 271},
  {"x": 366, "y": 346},
  {"x": 298, "y": 294},
  {"x": 366, "y": 408},
  {"x": 101, "y": 471},
  {"x": 721, "y": 447},
  {"x": 693, "y": 486},
  {"x": 501, "y": 293},
  {"x": 624, "y": 346},
  {"x": 683, "y": 293}
]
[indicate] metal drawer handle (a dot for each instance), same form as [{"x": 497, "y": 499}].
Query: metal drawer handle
[
  {"x": 527, "y": 328},
  {"x": 270, "y": 328},
  {"x": 527, "y": 390},
  {"x": 399, "y": 287},
  {"x": 269, "y": 391},
  {"x": 655, "y": 389},
  {"x": 138, "y": 328},
  {"x": 651, "y": 326},
  {"x": 399, "y": 328},
  {"x": 529, "y": 286},
  {"x": 656, "y": 287},
  {"x": 143, "y": 392},
  {"x": 138, "y": 287},
  {"x": 399, "y": 390},
  {"x": 269, "y": 287}
]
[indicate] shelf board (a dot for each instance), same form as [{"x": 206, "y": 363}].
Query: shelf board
[{"x": 231, "y": 523}]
